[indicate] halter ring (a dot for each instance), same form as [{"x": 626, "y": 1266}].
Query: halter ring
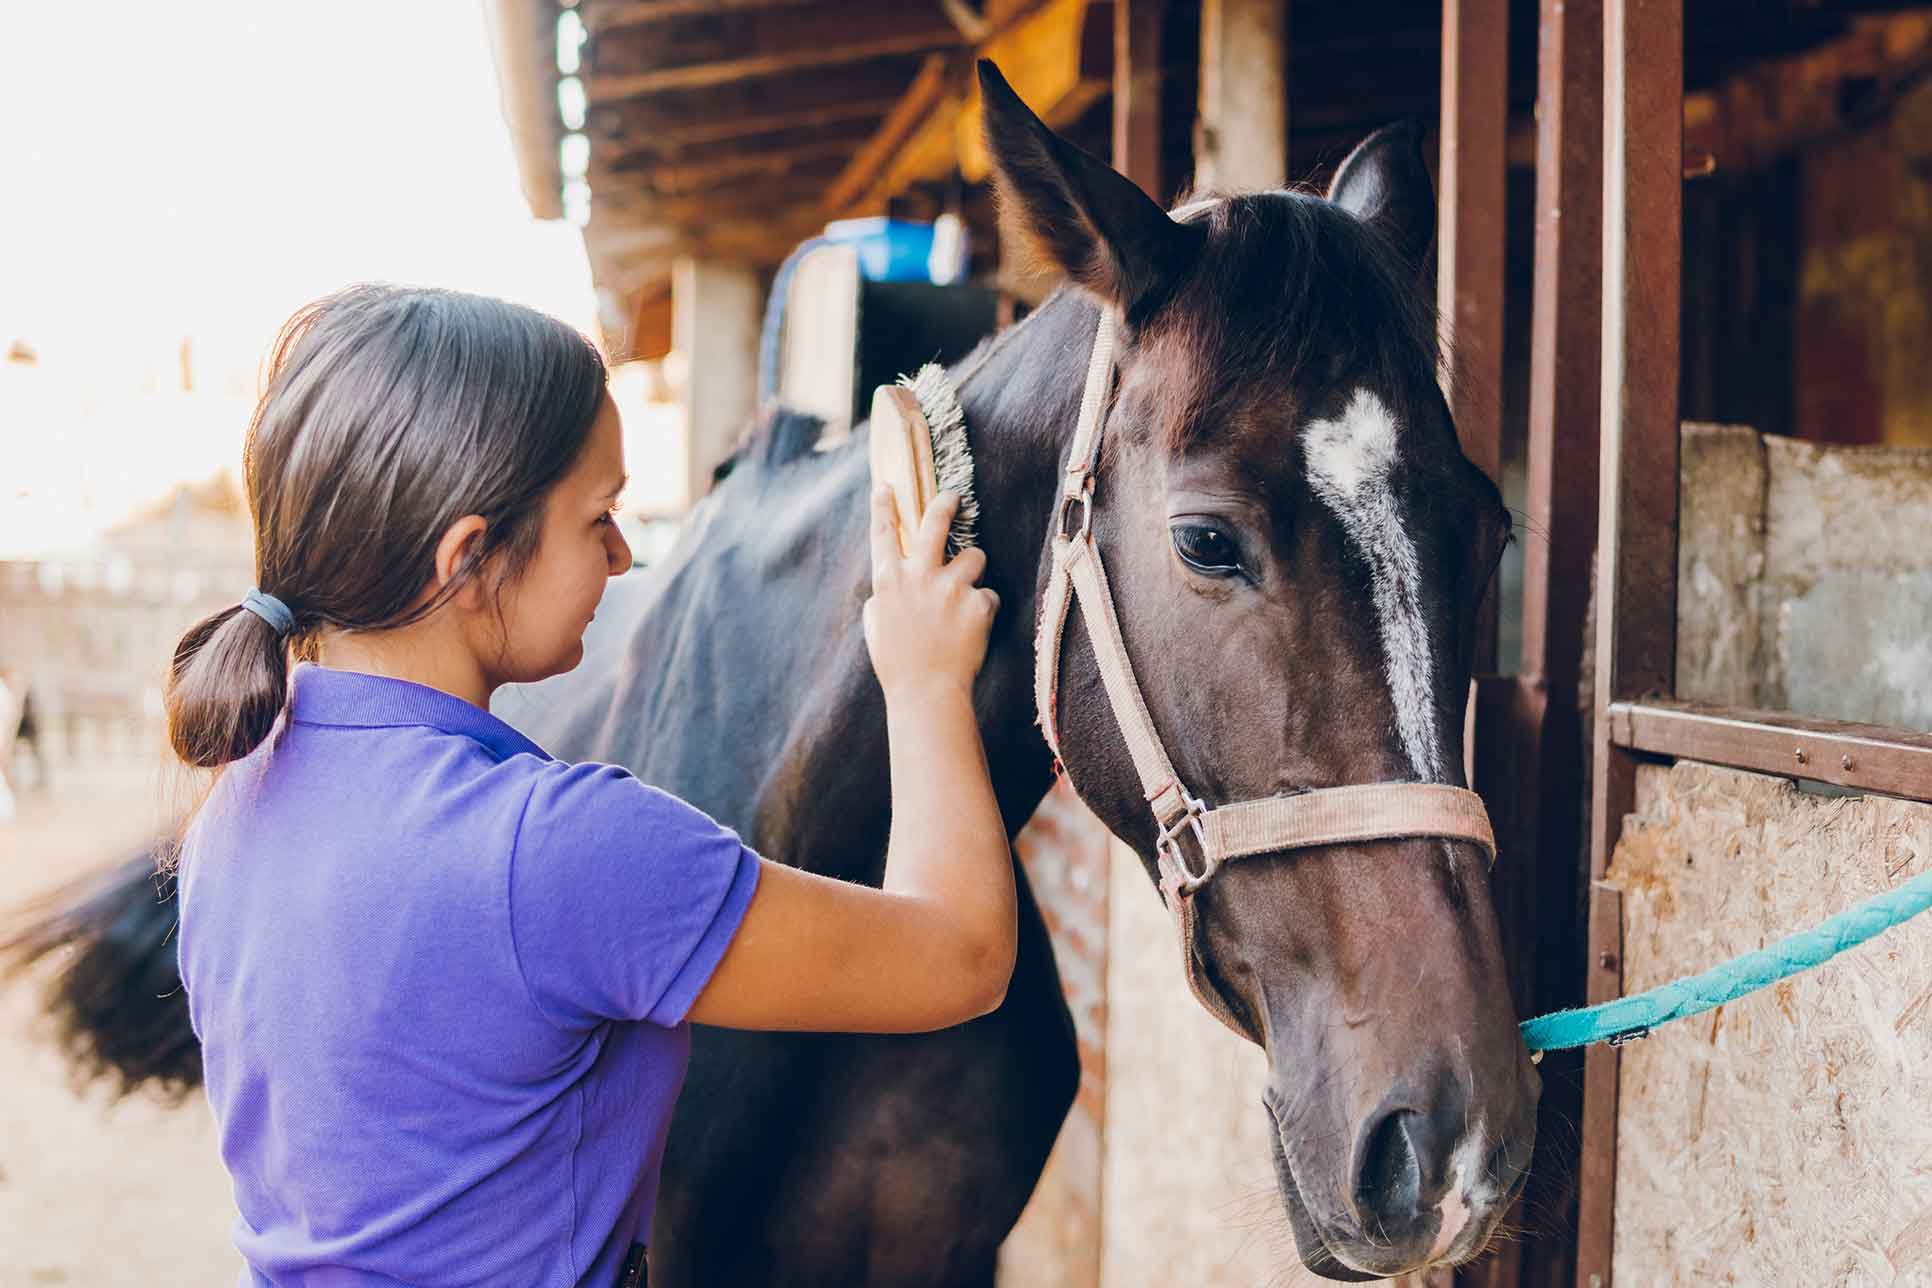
[
  {"x": 1067, "y": 500},
  {"x": 1169, "y": 843}
]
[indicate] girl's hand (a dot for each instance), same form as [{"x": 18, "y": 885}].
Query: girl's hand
[{"x": 927, "y": 622}]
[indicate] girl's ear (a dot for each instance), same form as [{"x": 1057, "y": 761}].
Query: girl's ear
[{"x": 461, "y": 538}]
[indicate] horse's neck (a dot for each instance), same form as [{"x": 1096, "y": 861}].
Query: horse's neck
[{"x": 1020, "y": 398}]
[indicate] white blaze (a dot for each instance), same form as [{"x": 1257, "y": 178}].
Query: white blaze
[{"x": 1350, "y": 460}]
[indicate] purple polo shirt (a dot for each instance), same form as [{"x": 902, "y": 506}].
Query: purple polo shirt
[{"x": 440, "y": 982}]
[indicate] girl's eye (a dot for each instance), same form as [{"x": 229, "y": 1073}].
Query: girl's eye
[
  {"x": 609, "y": 516},
  {"x": 1206, "y": 549}
]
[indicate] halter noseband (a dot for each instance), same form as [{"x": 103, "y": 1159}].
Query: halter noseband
[{"x": 1221, "y": 834}]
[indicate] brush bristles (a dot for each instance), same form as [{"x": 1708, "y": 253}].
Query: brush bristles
[{"x": 952, "y": 455}]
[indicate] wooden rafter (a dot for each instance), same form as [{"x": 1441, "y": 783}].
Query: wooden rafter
[
  {"x": 641, "y": 13},
  {"x": 676, "y": 136},
  {"x": 1042, "y": 46},
  {"x": 824, "y": 141},
  {"x": 823, "y": 37},
  {"x": 697, "y": 175},
  {"x": 744, "y": 195},
  {"x": 928, "y": 89}
]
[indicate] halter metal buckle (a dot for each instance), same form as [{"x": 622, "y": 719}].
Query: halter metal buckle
[
  {"x": 1169, "y": 844},
  {"x": 1085, "y": 499}
]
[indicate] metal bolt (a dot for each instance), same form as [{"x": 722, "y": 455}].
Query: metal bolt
[
  {"x": 1845, "y": 763},
  {"x": 1607, "y": 960},
  {"x": 1802, "y": 758}
]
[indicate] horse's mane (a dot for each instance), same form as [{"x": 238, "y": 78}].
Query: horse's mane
[{"x": 777, "y": 437}]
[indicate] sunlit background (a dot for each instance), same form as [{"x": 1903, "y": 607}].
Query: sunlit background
[
  {"x": 182, "y": 187},
  {"x": 179, "y": 178}
]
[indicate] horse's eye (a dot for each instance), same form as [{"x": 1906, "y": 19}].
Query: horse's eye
[{"x": 1206, "y": 549}]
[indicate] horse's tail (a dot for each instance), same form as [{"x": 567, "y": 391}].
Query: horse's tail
[{"x": 114, "y": 990}]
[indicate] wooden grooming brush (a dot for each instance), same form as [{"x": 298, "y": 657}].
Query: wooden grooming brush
[
  {"x": 902, "y": 456},
  {"x": 919, "y": 448}
]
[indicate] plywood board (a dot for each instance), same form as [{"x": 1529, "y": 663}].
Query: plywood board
[{"x": 1787, "y": 1137}]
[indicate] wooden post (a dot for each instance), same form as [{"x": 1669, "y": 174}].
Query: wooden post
[
  {"x": 716, "y": 310},
  {"x": 1241, "y": 134},
  {"x": 1137, "y": 94},
  {"x": 1643, "y": 172}
]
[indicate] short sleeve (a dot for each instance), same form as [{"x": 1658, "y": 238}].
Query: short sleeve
[{"x": 623, "y": 898}]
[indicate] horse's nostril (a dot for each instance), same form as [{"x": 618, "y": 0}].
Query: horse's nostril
[{"x": 1389, "y": 1185}]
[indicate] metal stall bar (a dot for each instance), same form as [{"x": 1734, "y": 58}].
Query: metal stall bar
[
  {"x": 1857, "y": 756},
  {"x": 1541, "y": 760},
  {"x": 1469, "y": 240},
  {"x": 1643, "y": 170},
  {"x": 1471, "y": 222}
]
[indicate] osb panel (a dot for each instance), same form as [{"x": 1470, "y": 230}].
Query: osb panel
[
  {"x": 1066, "y": 852},
  {"x": 1188, "y": 1190},
  {"x": 1787, "y": 1137}
]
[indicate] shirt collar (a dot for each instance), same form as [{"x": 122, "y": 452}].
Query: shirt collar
[{"x": 324, "y": 696}]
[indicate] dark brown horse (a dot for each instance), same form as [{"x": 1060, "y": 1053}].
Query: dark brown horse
[{"x": 1297, "y": 547}]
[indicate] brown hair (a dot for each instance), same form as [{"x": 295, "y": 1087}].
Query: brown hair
[{"x": 388, "y": 414}]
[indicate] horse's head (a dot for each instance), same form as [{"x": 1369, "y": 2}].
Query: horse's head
[{"x": 1297, "y": 547}]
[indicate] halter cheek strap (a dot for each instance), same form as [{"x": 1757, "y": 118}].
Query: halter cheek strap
[{"x": 1215, "y": 834}]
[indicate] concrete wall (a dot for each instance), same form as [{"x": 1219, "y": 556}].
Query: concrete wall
[{"x": 1805, "y": 577}]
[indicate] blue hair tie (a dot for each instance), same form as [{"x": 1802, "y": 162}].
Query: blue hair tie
[{"x": 269, "y": 609}]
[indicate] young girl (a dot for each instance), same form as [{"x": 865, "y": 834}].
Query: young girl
[{"x": 443, "y": 982}]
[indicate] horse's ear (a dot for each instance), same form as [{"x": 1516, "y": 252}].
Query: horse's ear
[
  {"x": 1384, "y": 182},
  {"x": 1107, "y": 234}
]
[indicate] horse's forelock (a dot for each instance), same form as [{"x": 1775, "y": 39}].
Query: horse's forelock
[{"x": 1290, "y": 288}]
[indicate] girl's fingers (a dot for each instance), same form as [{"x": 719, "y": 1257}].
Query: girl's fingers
[
  {"x": 969, "y": 565},
  {"x": 929, "y": 546},
  {"x": 885, "y": 533}
]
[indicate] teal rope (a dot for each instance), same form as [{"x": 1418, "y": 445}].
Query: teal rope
[{"x": 1633, "y": 1017}]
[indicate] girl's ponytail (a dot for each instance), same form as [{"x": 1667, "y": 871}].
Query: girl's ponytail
[{"x": 229, "y": 682}]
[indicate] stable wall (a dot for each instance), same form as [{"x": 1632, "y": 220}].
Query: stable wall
[
  {"x": 1785, "y": 1138},
  {"x": 1805, "y": 577}
]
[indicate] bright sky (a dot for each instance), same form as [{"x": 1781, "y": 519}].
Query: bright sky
[{"x": 202, "y": 170}]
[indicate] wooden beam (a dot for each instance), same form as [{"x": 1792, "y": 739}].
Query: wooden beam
[
  {"x": 523, "y": 45},
  {"x": 1042, "y": 50},
  {"x": 823, "y": 37},
  {"x": 1137, "y": 94},
  {"x": 1643, "y": 169},
  {"x": 651, "y": 324},
  {"x": 1058, "y": 56},
  {"x": 640, "y": 13},
  {"x": 716, "y": 308},
  {"x": 936, "y": 77},
  {"x": 668, "y": 137},
  {"x": 799, "y": 187},
  {"x": 692, "y": 175},
  {"x": 1241, "y": 134}
]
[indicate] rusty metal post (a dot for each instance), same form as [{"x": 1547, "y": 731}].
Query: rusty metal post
[
  {"x": 1643, "y": 173},
  {"x": 1469, "y": 238}
]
